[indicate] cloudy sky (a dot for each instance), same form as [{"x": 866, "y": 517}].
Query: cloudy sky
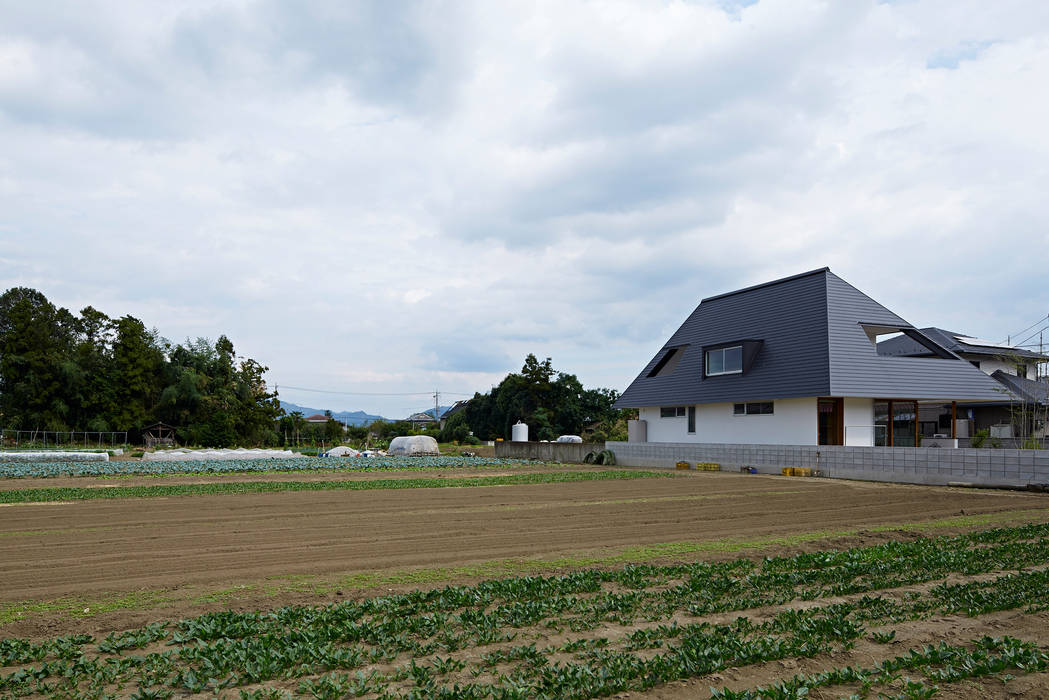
[{"x": 391, "y": 197}]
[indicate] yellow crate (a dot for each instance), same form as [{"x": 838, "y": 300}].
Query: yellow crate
[
  {"x": 708, "y": 466},
  {"x": 802, "y": 471},
  {"x": 788, "y": 471},
  {"x": 683, "y": 465}
]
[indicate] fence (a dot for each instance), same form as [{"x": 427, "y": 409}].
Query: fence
[
  {"x": 911, "y": 465},
  {"x": 69, "y": 439},
  {"x": 547, "y": 451}
]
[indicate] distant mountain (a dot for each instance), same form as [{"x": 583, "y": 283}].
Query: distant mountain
[
  {"x": 347, "y": 417},
  {"x": 353, "y": 417}
]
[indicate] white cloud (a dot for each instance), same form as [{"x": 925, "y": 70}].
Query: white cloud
[{"x": 399, "y": 198}]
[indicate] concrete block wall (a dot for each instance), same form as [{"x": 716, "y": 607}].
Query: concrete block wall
[
  {"x": 909, "y": 465},
  {"x": 547, "y": 451}
]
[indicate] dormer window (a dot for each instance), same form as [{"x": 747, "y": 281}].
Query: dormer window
[{"x": 724, "y": 361}]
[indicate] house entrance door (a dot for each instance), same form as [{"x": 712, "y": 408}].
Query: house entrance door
[{"x": 831, "y": 421}]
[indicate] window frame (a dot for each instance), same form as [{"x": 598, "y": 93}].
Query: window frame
[
  {"x": 722, "y": 350},
  {"x": 677, "y": 411},
  {"x": 744, "y": 408}
]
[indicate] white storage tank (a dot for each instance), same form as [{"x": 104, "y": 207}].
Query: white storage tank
[{"x": 519, "y": 433}]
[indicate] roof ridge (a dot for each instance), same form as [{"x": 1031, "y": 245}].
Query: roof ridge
[{"x": 765, "y": 284}]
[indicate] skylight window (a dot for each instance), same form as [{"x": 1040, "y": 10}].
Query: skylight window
[{"x": 667, "y": 363}]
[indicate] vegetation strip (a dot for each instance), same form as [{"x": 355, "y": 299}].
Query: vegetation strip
[
  {"x": 310, "y": 465},
  {"x": 487, "y": 640},
  {"x": 83, "y": 494}
]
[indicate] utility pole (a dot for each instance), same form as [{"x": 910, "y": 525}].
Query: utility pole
[{"x": 436, "y": 406}]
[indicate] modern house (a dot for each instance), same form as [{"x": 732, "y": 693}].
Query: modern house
[
  {"x": 1023, "y": 397},
  {"x": 796, "y": 361}
]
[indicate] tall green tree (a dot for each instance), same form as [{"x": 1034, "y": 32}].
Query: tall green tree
[
  {"x": 59, "y": 372},
  {"x": 552, "y": 403},
  {"x": 138, "y": 361},
  {"x": 36, "y": 361}
]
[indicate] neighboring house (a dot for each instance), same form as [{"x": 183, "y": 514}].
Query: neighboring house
[
  {"x": 421, "y": 420},
  {"x": 317, "y": 418},
  {"x": 457, "y": 407},
  {"x": 1015, "y": 369},
  {"x": 795, "y": 361}
]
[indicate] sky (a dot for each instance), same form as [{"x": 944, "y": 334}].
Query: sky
[{"x": 396, "y": 197}]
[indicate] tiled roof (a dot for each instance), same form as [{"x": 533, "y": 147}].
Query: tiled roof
[{"x": 813, "y": 334}]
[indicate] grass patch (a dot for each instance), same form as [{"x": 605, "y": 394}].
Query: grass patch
[
  {"x": 82, "y": 494},
  {"x": 83, "y": 606}
]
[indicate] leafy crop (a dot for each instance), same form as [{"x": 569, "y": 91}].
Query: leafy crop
[
  {"x": 489, "y": 640},
  {"x": 227, "y": 488},
  {"x": 234, "y": 466}
]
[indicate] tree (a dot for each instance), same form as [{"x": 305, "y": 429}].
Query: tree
[
  {"x": 137, "y": 363},
  {"x": 552, "y": 403},
  {"x": 36, "y": 360}
]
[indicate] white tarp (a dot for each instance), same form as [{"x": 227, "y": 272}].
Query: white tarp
[
  {"x": 52, "y": 456},
  {"x": 183, "y": 455},
  {"x": 343, "y": 451},
  {"x": 569, "y": 438},
  {"x": 413, "y": 446}
]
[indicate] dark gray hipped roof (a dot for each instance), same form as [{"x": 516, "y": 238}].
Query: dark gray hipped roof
[
  {"x": 1024, "y": 389},
  {"x": 814, "y": 341},
  {"x": 904, "y": 346}
]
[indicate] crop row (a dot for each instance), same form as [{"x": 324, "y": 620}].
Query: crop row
[
  {"x": 582, "y": 668},
  {"x": 416, "y": 644},
  {"x": 944, "y": 663},
  {"x": 229, "y": 466},
  {"x": 73, "y": 493}
]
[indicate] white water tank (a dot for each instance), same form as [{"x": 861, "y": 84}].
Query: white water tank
[{"x": 519, "y": 433}]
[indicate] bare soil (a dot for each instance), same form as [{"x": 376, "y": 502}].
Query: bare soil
[{"x": 221, "y": 552}]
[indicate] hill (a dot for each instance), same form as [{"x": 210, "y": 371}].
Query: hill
[{"x": 347, "y": 417}]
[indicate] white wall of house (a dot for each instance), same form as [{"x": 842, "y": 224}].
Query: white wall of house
[
  {"x": 859, "y": 422},
  {"x": 793, "y": 422},
  {"x": 990, "y": 365}
]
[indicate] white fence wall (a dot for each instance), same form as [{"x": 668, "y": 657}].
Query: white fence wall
[{"x": 911, "y": 465}]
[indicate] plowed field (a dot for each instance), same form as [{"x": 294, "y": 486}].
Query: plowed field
[{"x": 162, "y": 558}]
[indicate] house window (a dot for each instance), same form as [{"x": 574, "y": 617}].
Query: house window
[
  {"x": 691, "y": 419},
  {"x": 671, "y": 411},
  {"x": 753, "y": 408},
  {"x": 667, "y": 364},
  {"x": 725, "y": 361}
]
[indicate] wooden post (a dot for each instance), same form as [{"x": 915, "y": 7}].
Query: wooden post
[{"x": 954, "y": 420}]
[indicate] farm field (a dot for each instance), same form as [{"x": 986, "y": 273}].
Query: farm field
[{"x": 650, "y": 587}]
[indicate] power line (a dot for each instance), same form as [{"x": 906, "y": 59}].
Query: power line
[
  {"x": 1044, "y": 318},
  {"x": 1031, "y": 337}
]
